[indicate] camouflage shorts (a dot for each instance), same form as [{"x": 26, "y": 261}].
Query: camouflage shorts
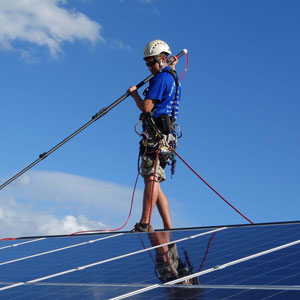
[{"x": 147, "y": 168}]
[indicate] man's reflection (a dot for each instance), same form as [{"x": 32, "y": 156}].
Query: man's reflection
[{"x": 168, "y": 265}]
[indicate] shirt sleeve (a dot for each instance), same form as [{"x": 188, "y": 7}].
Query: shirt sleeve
[{"x": 156, "y": 88}]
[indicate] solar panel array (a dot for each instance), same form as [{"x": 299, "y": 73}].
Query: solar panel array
[{"x": 235, "y": 262}]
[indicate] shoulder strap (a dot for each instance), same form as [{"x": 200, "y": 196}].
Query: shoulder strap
[{"x": 174, "y": 74}]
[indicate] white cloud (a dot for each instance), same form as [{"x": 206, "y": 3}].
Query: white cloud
[
  {"x": 47, "y": 203},
  {"x": 120, "y": 45},
  {"x": 51, "y": 203},
  {"x": 68, "y": 192},
  {"x": 19, "y": 220},
  {"x": 43, "y": 23}
]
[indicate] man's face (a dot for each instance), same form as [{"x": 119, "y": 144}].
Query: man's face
[{"x": 152, "y": 65}]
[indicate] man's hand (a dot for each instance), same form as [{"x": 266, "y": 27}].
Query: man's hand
[
  {"x": 173, "y": 60},
  {"x": 133, "y": 92}
]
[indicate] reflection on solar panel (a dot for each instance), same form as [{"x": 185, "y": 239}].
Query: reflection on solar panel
[{"x": 234, "y": 262}]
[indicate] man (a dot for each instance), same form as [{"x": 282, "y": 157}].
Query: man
[{"x": 159, "y": 112}]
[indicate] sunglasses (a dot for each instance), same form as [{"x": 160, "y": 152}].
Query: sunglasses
[{"x": 151, "y": 63}]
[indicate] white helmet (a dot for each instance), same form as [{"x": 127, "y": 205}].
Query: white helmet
[{"x": 155, "y": 48}]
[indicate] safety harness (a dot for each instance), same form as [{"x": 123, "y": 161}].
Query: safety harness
[{"x": 160, "y": 133}]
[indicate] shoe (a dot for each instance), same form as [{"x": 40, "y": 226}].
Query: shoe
[{"x": 138, "y": 227}]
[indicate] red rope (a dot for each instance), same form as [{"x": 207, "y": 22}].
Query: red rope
[
  {"x": 211, "y": 186},
  {"x": 186, "y": 66},
  {"x": 206, "y": 252},
  {"x": 7, "y": 239}
]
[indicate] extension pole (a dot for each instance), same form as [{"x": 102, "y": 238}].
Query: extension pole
[{"x": 95, "y": 117}]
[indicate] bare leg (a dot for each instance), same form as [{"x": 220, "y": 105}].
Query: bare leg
[
  {"x": 154, "y": 195},
  {"x": 150, "y": 197},
  {"x": 163, "y": 208}
]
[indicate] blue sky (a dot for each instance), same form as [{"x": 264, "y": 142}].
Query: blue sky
[{"x": 62, "y": 61}]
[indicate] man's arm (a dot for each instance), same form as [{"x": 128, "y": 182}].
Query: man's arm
[{"x": 144, "y": 105}]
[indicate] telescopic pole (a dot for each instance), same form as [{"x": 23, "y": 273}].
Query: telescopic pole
[{"x": 95, "y": 117}]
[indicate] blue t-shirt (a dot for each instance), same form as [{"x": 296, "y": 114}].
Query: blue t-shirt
[{"x": 162, "y": 88}]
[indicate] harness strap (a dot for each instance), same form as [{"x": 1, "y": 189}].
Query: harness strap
[
  {"x": 153, "y": 125},
  {"x": 174, "y": 74}
]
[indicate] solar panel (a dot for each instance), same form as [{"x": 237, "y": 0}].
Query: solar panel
[{"x": 230, "y": 262}]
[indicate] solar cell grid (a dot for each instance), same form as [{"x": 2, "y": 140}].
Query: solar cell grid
[
  {"x": 265, "y": 270},
  {"x": 57, "y": 292},
  {"x": 72, "y": 258},
  {"x": 248, "y": 240},
  {"x": 112, "y": 267},
  {"x": 42, "y": 262},
  {"x": 38, "y": 251},
  {"x": 16, "y": 243}
]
